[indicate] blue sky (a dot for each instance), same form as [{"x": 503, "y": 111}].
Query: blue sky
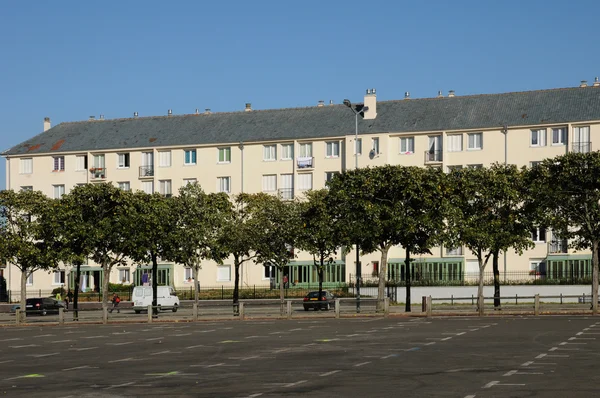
[{"x": 72, "y": 59}]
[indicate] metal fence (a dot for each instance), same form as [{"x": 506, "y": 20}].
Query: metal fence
[{"x": 255, "y": 292}]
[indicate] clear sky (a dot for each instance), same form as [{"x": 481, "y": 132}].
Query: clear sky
[{"x": 71, "y": 59}]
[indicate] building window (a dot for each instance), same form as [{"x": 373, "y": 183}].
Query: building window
[
  {"x": 329, "y": 175},
  {"x": 305, "y": 181},
  {"x": 223, "y": 273},
  {"x": 27, "y": 188},
  {"x": 164, "y": 187},
  {"x": 407, "y": 145},
  {"x": 190, "y": 156},
  {"x": 26, "y": 166},
  {"x": 148, "y": 187},
  {"x": 537, "y": 267},
  {"x": 59, "y": 163},
  {"x": 538, "y": 137},
  {"x": 269, "y": 272},
  {"x": 124, "y": 186},
  {"x": 358, "y": 146},
  {"x": 164, "y": 159},
  {"x": 538, "y": 235},
  {"x": 306, "y": 150},
  {"x": 29, "y": 280},
  {"x": 225, "y": 155},
  {"x": 59, "y": 191},
  {"x": 188, "y": 181},
  {"x": 534, "y": 163},
  {"x": 475, "y": 166},
  {"x": 80, "y": 162},
  {"x": 99, "y": 162},
  {"x": 269, "y": 183},
  {"x": 455, "y": 143},
  {"x": 124, "y": 275},
  {"x": 188, "y": 275},
  {"x": 375, "y": 145},
  {"x": 269, "y": 152},
  {"x": 332, "y": 149},
  {"x": 224, "y": 184},
  {"x": 58, "y": 278},
  {"x": 286, "y": 189},
  {"x": 475, "y": 141},
  {"x": 287, "y": 151},
  {"x": 559, "y": 136},
  {"x": 123, "y": 161},
  {"x": 454, "y": 168},
  {"x": 454, "y": 251}
]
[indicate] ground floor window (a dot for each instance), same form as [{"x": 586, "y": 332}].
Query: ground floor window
[
  {"x": 422, "y": 270},
  {"x": 58, "y": 278},
  {"x": 124, "y": 275}
]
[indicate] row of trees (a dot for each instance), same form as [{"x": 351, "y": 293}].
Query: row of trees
[{"x": 488, "y": 210}]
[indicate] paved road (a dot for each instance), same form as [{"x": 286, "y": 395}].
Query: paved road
[{"x": 375, "y": 357}]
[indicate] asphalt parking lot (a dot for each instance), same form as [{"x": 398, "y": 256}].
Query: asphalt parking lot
[{"x": 438, "y": 357}]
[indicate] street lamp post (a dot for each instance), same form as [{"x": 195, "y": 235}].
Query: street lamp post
[{"x": 358, "y": 264}]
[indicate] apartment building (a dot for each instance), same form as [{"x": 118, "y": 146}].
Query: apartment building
[{"x": 290, "y": 151}]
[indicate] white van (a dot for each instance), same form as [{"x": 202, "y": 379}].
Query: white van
[{"x": 142, "y": 298}]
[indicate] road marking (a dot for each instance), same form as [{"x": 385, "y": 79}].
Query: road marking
[
  {"x": 124, "y": 343},
  {"x": 513, "y": 372},
  {"x": 389, "y": 356},
  {"x": 155, "y": 338},
  {"x": 124, "y": 360},
  {"x": 207, "y": 331},
  {"x": 33, "y": 375},
  {"x": 541, "y": 356},
  {"x": 470, "y": 396},
  {"x": 119, "y": 385},
  {"x": 182, "y": 334},
  {"x": 295, "y": 330},
  {"x": 44, "y": 335},
  {"x": 254, "y": 337},
  {"x": 81, "y": 367},
  {"x": 446, "y": 338},
  {"x": 497, "y": 383},
  {"x": 23, "y": 346},
  {"x": 558, "y": 356},
  {"x": 527, "y": 363},
  {"x": 93, "y": 337},
  {"x": 255, "y": 395},
  {"x": 229, "y": 341},
  {"x": 7, "y": 361},
  {"x": 195, "y": 346},
  {"x": 433, "y": 342},
  {"x": 433, "y": 338},
  {"x": 330, "y": 373},
  {"x": 120, "y": 333},
  {"x": 160, "y": 352},
  {"x": 14, "y": 339},
  {"x": 582, "y": 338},
  {"x": 281, "y": 350},
  {"x": 361, "y": 364},
  {"x": 213, "y": 365},
  {"x": 43, "y": 355},
  {"x": 60, "y": 341},
  {"x": 82, "y": 349},
  {"x": 414, "y": 349},
  {"x": 565, "y": 343},
  {"x": 295, "y": 384}
]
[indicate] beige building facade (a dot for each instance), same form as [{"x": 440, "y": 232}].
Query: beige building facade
[{"x": 291, "y": 151}]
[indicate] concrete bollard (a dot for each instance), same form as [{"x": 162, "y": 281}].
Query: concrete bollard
[
  {"x": 150, "y": 314},
  {"x": 195, "y": 312},
  {"x": 104, "y": 315},
  {"x": 289, "y": 309},
  {"x": 536, "y": 305},
  {"x": 18, "y": 316},
  {"x": 386, "y": 307},
  {"x": 61, "y": 316},
  {"x": 429, "y": 306},
  {"x": 242, "y": 314},
  {"x": 337, "y": 308}
]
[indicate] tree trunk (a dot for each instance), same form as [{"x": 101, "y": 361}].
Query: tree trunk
[
  {"x": 236, "y": 287},
  {"x": 382, "y": 278},
  {"x": 496, "y": 279},
  {"x": 595, "y": 248},
  {"x": 320, "y": 275},
  {"x": 106, "y": 268},
  {"x": 408, "y": 281},
  {"x": 24, "y": 276},
  {"x": 154, "y": 285},
  {"x": 76, "y": 293},
  {"x": 281, "y": 293},
  {"x": 196, "y": 283},
  {"x": 480, "y": 287}
]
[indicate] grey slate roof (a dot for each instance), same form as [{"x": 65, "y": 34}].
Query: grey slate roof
[{"x": 414, "y": 115}]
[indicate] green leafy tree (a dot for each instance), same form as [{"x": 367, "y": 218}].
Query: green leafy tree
[
  {"x": 200, "y": 219},
  {"x": 278, "y": 225},
  {"x": 320, "y": 233},
  {"x": 488, "y": 215},
  {"x": 155, "y": 221},
  {"x": 566, "y": 194},
  {"x": 388, "y": 206},
  {"x": 26, "y": 242}
]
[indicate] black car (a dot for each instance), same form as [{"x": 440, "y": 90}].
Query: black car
[
  {"x": 42, "y": 306},
  {"x": 311, "y": 300}
]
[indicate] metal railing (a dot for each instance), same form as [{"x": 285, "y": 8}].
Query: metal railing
[
  {"x": 433, "y": 156},
  {"x": 306, "y": 162},
  {"x": 98, "y": 173},
  {"x": 558, "y": 247},
  {"x": 286, "y": 193},
  {"x": 146, "y": 171}
]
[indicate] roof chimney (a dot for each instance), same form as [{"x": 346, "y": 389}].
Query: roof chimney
[
  {"x": 321, "y": 103},
  {"x": 583, "y": 83},
  {"x": 207, "y": 111},
  {"x": 92, "y": 117},
  {"x": 406, "y": 95},
  {"x": 170, "y": 112},
  {"x": 135, "y": 114},
  {"x": 248, "y": 107},
  {"x": 197, "y": 111},
  {"x": 330, "y": 102},
  {"x": 440, "y": 95},
  {"x": 47, "y": 124},
  {"x": 101, "y": 117},
  {"x": 371, "y": 103},
  {"x": 451, "y": 93},
  {"x": 596, "y": 82}
]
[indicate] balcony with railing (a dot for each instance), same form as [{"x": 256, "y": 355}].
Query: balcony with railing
[
  {"x": 582, "y": 147},
  {"x": 558, "y": 247},
  {"x": 146, "y": 171},
  {"x": 432, "y": 156},
  {"x": 305, "y": 162},
  {"x": 286, "y": 193},
  {"x": 97, "y": 173}
]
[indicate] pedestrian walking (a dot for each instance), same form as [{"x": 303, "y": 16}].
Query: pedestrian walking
[{"x": 115, "y": 302}]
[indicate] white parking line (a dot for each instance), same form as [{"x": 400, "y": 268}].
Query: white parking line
[
  {"x": 195, "y": 346},
  {"x": 497, "y": 383},
  {"x": 93, "y": 337},
  {"x": 295, "y": 384},
  {"x": 582, "y": 338},
  {"x": 43, "y": 355},
  {"x": 541, "y": 356},
  {"x": 60, "y": 341},
  {"x": 565, "y": 343},
  {"x": 160, "y": 352},
  {"x": 7, "y": 361},
  {"x": 44, "y": 335},
  {"x": 119, "y": 385},
  {"x": 182, "y": 334},
  {"x": 13, "y": 339},
  {"x": 330, "y": 373},
  {"x": 155, "y": 338},
  {"x": 361, "y": 364},
  {"x": 124, "y": 360},
  {"x": 80, "y": 367},
  {"x": 23, "y": 346},
  {"x": 124, "y": 343},
  {"x": 514, "y": 372},
  {"x": 82, "y": 349}
]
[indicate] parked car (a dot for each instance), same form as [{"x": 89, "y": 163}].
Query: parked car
[
  {"x": 42, "y": 306},
  {"x": 326, "y": 302}
]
